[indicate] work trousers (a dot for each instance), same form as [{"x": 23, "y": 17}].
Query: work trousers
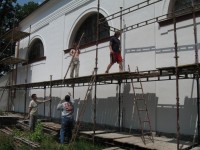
[
  {"x": 66, "y": 129},
  {"x": 74, "y": 67},
  {"x": 32, "y": 122}
]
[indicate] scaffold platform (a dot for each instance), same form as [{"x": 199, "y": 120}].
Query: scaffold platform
[{"x": 189, "y": 71}]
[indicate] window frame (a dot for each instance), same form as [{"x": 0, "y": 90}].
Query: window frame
[
  {"x": 180, "y": 17},
  {"x": 89, "y": 44},
  {"x": 39, "y": 57},
  {"x": 75, "y": 36}
]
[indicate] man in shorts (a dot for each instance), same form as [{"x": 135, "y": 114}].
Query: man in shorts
[{"x": 115, "y": 52}]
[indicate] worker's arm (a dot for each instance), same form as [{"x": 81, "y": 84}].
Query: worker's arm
[
  {"x": 71, "y": 52},
  {"x": 43, "y": 101},
  {"x": 110, "y": 47},
  {"x": 60, "y": 106},
  {"x": 79, "y": 51}
]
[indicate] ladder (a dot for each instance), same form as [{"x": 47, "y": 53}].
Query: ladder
[
  {"x": 141, "y": 106},
  {"x": 82, "y": 110}
]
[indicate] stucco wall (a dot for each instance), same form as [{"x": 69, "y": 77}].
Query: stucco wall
[{"x": 149, "y": 47}]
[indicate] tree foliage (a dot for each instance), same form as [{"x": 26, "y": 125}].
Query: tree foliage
[{"x": 11, "y": 13}]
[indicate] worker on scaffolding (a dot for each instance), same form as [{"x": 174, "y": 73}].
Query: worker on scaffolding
[
  {"x": 67, "y": 119},
  {"x": 115, "y": 52},
  {"x": 75, "y": 63},
  {"x": 33, "y": 110}
]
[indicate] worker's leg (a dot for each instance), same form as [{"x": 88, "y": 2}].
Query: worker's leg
[
  {"x": 77, "y": 69},
  {"x": 69, "y": 128},
  {"x": 72, "y": 69},
  {"x": 112, "y": 61},
  {"x": 108, "y": 68},
  {"x": 119, "y": 61},
  {"x": 32, "y": 122},
  {"x": 120, "y": 67},
  {"x": 62, "y": 129}
]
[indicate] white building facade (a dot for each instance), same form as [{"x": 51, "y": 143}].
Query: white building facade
[{"x": 54, "y": 26}]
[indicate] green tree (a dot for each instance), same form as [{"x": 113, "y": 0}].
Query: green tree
[
  {"x": 25, "y": 10},
  {"x": 11, "y": 13}
]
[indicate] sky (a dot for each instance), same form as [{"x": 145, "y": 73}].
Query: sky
[{"x": 26, "y": 1}]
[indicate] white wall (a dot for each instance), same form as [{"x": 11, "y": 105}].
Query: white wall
[
  {"x": 4, "y": 92},
  {"x": 149, "y": 47}
]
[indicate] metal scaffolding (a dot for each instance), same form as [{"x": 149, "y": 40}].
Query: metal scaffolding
[{"x": 190, "y": 71}]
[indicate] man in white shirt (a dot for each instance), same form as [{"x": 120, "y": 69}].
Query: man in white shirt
[{"x": 33, "y": 110}]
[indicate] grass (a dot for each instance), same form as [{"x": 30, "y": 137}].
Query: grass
[
  {"x": 47, "y": 142},
  {"x": 6, "y": 142},
  {"x": 2, "y": 113}
]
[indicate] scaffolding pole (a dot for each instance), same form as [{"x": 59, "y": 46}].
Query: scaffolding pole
[
  {"x": 158, "y": 19},
  {"x": 196, "y": 62},
  {"x": 119, "y": 113},
  {"x": 44, "y": 99},
  {"x": 177, "y": 80},
  {"x": 129, "y": 10},
  {"x": 95, "y": 71},
  {"x": 25, "y": 99},
  {"x": 50, "y": 95}
]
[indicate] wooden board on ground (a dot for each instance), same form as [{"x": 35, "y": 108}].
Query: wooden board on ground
[
  {"x": 196, "y": 148},
  {"x": 160, "y": 143},
  {"x": 112, "y": 135},
  {"x": 113, "y": 148},
  {"x": 51, "y": 125},
  {"x": 91, "y": 132},
  {"x": 125, "y": 140}
]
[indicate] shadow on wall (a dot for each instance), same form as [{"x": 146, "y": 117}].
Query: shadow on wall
[
  {"x": 107, "y": 110},
  {"x": 130, "y": 113},
  {"x": 162, "y": 116},
  {"x": 167, "y": 117},
  {"x": 85, "y": 109},
  {"x": 188, "y": 116},
  {"x": 4, "y": 100}
]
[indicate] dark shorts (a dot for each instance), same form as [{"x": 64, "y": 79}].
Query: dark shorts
[{"x": 115, "y": 57}]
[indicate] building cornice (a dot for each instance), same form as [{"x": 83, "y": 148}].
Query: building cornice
[{"x": 64, "y": 10}]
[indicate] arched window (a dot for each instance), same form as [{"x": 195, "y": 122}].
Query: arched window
[
  {"x": 183, "y": 11},
  {"x": 89, "y": 28},
  {"x": 36, "y": 51},
  {"x": 182, "y": 6}
]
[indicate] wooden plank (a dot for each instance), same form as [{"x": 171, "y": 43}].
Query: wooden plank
[
  {"x": 135, "y": 141},
  {"x": 160, "y": 143},
  {"x": 112, "y": 135},
  {"x": 14, "y": 34},
  {"x": 113, "y": 148},
  {"x": 12, "y": 61},
  {"x": 96, "y": 132},
  {"x": 112, "y": 78},
  {"x": 166, "y": 68},
  {"x": 51, "y": 125}
]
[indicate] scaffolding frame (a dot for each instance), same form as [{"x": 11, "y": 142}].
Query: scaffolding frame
[{"x": 190, "y": 71}]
